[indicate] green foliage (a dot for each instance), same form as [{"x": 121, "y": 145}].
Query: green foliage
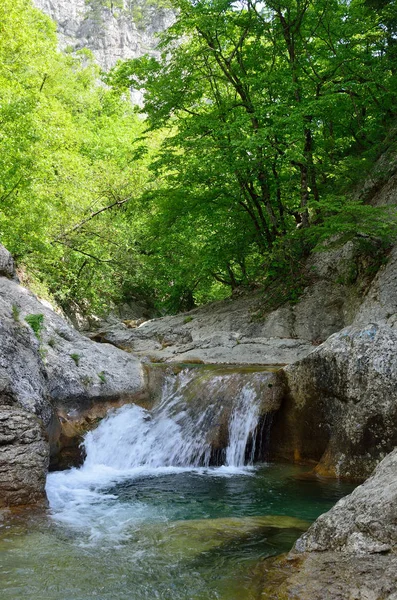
[
  {"x": 36, "y": 322},
  {"x": 269, "y": 127},
  {"x": 260, "y": 120},
  {"x": 16, "y": 312},
  {"x": 76, "y": 358},
  {"x": 102, "y": 377},
  {"x": 187, "y": 319}
]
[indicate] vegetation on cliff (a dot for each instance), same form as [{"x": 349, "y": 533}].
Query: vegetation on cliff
[{"x": 260, "y": 120}]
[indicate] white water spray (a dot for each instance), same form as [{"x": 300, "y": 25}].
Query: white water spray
[{"x": 175, "y": 436}]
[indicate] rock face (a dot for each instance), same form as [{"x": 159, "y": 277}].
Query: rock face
[
  {"x": 246, "y": 330},
  {"x": 24, "y": 455},
  {"x": 365, "y": 522},
  {"x": 48, "y": 371},
  {"x": 7, "y": 268},
  {"x": 380, "y": 303},
  {"x": 341, "y": 409},
  {"x": 77, "y": 371},
  {"x": 111, "y": 34}
]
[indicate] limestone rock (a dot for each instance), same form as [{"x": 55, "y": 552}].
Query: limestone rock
[
  {"x": 330, "y": 576},
  {"x": 75, "y": 371},
  {"x": 24, "y": 455},
  {"x": 364, "y": 522},
  {"x": 45, "y": 374},
  {"x": 341, "y": 408},
  {"x": 7, "y": 268},
  {"x": 110, "y": 34},
  {"x": 380, "y": 303},
  {"x": 246, "y": 329},
  {"x": 349, "y": 552}
]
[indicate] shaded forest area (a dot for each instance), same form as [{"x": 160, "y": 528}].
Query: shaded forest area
[{"x": 260, "y": 119}]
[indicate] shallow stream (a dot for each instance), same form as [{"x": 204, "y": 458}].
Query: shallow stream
[{"x": 147, "y": 517}]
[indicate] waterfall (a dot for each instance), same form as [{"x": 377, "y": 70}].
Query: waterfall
[
  {"x": 181, "y": 430},
  {"x": 204, "y": 418},
  {"x": 243, "y": 425}
]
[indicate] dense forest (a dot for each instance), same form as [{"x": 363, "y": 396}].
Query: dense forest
[{"x": 259, "y": 121}]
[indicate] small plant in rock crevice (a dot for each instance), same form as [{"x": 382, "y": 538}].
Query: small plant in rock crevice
[
  {"x": 16, "y": 313},
  {"x": 76, "y": 357},
  {"x": 102, "y": 377},
  {"x": 36, "y": 323},
  {"x": 86, "y": 380}
]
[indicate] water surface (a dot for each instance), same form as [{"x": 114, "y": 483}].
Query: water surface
[{"x": 169, "y": 533}]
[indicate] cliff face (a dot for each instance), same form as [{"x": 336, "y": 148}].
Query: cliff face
[{"x": 110, "y": 33}]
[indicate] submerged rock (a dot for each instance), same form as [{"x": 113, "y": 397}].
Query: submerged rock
[{"x": 330, "y": 576}]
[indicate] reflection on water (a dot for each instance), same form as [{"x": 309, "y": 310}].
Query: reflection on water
[{"x": 169, "y": 533}]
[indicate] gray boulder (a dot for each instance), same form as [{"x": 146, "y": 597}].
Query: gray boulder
[
  {"x": 341, "y": 409},
  {"x": 349, "y": 553},
  {"x": 365, "y": 522},
  {"x": 74, "y": 371},
  {"x": 24, "y": 456}
]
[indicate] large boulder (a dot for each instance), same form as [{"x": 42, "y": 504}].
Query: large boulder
[
  {"x": 350, "y": 552},
  {"x": 365, "y": 522},
  {"x": 77, "y": 372},
  {"x": 341, "y": 408}
]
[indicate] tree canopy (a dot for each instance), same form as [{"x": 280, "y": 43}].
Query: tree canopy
[{"x": 259, "y": 120}]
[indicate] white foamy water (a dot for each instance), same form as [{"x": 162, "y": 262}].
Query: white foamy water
[{"x": 132, "y": 443}]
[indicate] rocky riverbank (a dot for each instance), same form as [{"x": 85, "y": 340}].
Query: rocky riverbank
[
  {"x": 50, "y": 375},
  {"x": 349, "y": 552},
  {"x": 336, "y": 401}
]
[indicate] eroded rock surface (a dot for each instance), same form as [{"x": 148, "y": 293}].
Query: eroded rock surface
[
  {"x": 341, "y": 409},
  {"x": 365, "y": 522},
  {"x": 77, "y": 371},
  {"x": 350, "y": 552},
  {"x": 49, "y": 371},
  {"x": 247, "y": 330},
  {"x": 331, "y": 576},
  {"x": 24, "y": 456}
]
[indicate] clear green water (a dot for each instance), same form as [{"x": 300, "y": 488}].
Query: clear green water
[{"x": 178, "y": 535}]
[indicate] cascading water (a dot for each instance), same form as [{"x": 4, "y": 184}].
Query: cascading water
[
  {"x": 176, "y": 432},
  {"x": 148, "y": 515},
  {"x": 205, "y": 423}
]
